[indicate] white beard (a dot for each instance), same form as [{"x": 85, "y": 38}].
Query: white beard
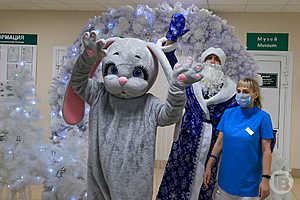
[{"x": 213, "y": 79}]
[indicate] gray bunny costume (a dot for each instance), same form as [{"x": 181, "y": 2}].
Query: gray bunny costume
[{"x": 122, "y": 126}]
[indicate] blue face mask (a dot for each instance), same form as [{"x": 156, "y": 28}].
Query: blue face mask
[{"x": 244, "y": 100}]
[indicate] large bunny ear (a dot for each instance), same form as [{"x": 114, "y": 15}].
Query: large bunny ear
[
  {"x": 73, "y": 107},
  {"x": 156, "y": 50}
]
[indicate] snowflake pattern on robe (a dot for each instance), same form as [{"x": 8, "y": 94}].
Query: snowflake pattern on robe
[{"x": 181, "y": 166}]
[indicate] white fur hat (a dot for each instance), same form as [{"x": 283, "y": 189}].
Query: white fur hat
[{"x": 216, "y": 51}]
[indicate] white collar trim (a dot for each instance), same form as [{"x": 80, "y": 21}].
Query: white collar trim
[
  {"x": 168, "y": 48},
  {"x": 227, "y": 91}
]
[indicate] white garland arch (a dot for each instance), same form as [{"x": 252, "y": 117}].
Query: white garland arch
[{"x": 150, "y": 24}]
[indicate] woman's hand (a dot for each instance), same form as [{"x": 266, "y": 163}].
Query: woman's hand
[
  {"x": 212, "y": 159},
  {"x": 206, "y": 176},
  {"x": 264, "y": 188}
]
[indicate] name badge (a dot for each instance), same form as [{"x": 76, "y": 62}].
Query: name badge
[{"x": 248, "y": 130}]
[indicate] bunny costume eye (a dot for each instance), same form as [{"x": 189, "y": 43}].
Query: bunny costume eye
[
  {"x": 137, "y": 72},
  {"x": 112, "y": 69},
  {"x": 140, "y": 72}
]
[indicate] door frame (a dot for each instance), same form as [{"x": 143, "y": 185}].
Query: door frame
[{"x": 286, "y": 82}]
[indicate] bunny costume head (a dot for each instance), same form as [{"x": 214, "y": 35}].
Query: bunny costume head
[{"x": 129, "y": 69}]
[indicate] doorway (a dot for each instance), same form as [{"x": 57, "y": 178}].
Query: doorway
[{"x": 276, "y": 71}]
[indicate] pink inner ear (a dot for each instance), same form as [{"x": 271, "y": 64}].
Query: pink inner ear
[
  {"x": 108, "y": 44},
  {"x": 73, "y": 110}
]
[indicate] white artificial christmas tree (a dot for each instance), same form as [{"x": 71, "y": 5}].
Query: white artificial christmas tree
[{"x": 20, "y": 137}]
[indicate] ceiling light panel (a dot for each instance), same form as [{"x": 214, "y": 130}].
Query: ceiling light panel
[{"x": 227, "y": 2}]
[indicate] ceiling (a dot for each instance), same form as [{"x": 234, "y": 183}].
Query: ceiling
[{"x": 102, "y": 5}]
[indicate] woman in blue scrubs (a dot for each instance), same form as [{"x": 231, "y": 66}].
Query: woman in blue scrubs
[{"x": 245, "y": 135}]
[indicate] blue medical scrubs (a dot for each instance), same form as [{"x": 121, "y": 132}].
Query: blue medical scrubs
[{"x": 241, "y": 164}]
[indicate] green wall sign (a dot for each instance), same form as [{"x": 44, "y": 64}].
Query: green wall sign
[
  {"x": 268, "y": 41},
  {"x": 23, "y": 39},
  {"x": 269, "y": 80}
]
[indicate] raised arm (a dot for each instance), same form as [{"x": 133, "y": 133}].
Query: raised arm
[
  {"x": 169, "y": 42},
  {"x": 169, "y": 45},
  {"x": 85, "y": 66},
  {"x": 80, "y": 87},
  {"x": 182, "y": 76}
]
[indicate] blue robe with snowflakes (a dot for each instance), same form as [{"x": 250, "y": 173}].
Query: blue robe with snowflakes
[{"x": 184, "y": 171}]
